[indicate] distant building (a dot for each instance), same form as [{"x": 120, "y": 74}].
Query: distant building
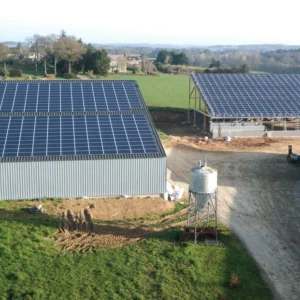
[
  {"x": 117, "y": 62},
  {"x": 134, "y": 59},
  {"x": 15, "y": 52},
  {"x": 31, "y": 56}
]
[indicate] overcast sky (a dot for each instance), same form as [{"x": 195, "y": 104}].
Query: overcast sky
[{"x": 196, "y": 22}]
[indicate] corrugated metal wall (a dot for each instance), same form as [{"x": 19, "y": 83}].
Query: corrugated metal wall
[{"x": 66, "y": 179}]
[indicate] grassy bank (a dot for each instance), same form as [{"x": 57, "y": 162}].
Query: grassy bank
[{"x": 157, "y": 268}]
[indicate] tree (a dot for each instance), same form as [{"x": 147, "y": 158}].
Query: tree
[
  {"x": 96, "y": 60},
  {"x": 148, "y": 66},
  {"x": 89, "y": 58},
  {"x": 102, "y": 63},
  {"x": 36, "y": 45},
  {"x": 69, "y": 49},
  {"x": 44, "y": 51},
  {"x": 172, "y": 58},
  {"x": 63, "y": 33},
  {"x": 4, "y": 50},
  {"x": 52, "y": 49},
  {"x": 245, "y": 68},
  {"x": 214, "y": 64},
  {"x": 179, "y": 59},
  {"x": 162, "y": 57}
]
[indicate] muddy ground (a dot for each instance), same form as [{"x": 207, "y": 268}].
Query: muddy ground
[{"x": 258, "y": 199}]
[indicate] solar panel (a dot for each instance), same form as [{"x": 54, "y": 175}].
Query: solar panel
[
  {"x": 34, "y": 136},
  {"x": 60, "y": 96},
  {"x": 249, "y": 95}
]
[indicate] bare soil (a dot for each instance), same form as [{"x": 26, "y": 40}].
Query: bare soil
[
  {"x": 258, "y": 199},
  {"x": 116, "y": 235},
  {"x": 112, "y": 209}
]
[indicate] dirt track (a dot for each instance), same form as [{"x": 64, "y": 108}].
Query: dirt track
[{"x": 258, "y": 199}]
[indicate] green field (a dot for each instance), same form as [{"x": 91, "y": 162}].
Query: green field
[
  {"x": 157, "y": 268},
  {"x": 163, "y": 90}
]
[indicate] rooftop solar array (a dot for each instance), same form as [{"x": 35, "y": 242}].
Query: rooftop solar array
[
  {"x": 249, "y": 95},
  {"x": 68, "y": 96},
  {"x": 75, "y": 135},
  {"x": 75, "y": 119}
]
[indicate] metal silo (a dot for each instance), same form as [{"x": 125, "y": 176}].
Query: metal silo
[{"x": 203, "y": 198}]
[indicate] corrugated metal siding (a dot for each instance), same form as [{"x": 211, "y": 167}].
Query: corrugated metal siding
[{"x": 66, "y": 179}]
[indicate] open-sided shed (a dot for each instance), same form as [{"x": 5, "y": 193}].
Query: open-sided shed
[{"x": 242, "y": 104}]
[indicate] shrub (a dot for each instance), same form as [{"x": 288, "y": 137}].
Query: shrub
[
  {"x": 2, "y": 73},
  {"x": 69, "y": 76},
  {"x": 15, "y": 73}
]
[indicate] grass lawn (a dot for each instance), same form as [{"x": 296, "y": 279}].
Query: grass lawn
[
  {"x": 164, "y": 90},
  {"x": 157, "y": 268}
]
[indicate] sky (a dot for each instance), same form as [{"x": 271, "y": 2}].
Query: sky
[{"x": 189, "y": 22}]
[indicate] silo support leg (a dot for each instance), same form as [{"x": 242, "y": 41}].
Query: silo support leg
[
  {"x": 216, "y": 214},
  {"x": 189, "y": 210},
  {"x": 208, "y": 211}
]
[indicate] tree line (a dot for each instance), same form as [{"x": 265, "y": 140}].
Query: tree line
[
  {"x": 232, "y": 60},
  {"x": 65, "y": 53},
  {"x": 278, "y": 61},
  {"x": 171, "y": 61}
]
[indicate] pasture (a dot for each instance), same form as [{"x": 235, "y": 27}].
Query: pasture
[{"x": 163, "y": 90}]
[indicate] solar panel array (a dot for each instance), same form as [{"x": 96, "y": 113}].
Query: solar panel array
[
  {"x": 249, "y": 95},
  {"x": 103, "y": 118},
  {"x": 68, "y": 97}
]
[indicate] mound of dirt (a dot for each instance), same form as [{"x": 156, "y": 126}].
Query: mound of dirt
[
  {"x": 241, "y": 144},
  {"x": 111, "y": 209}
]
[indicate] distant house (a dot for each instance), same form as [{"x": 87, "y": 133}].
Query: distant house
[
  {"x": 31, "y": 56},
  {"x": 117, "y": 63},
  {"x": 15, "y": 52},
  {"x": 134, "y": 59}
]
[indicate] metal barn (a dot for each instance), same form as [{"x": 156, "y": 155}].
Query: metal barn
[{"x": 65, "y": 139}]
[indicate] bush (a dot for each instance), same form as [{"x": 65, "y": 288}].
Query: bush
[
  {"x": 69, "y": 76},
  {"x": 2, "y": 73},
  {"x": 134, "y": 68},
  {"x": 15, "y": 73}
]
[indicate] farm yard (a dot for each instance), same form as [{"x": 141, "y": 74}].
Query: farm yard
[
  {"x": 256, "y": 201},
  {"x": 158, "y": 161},
  {"x": 135, "y": 251}
]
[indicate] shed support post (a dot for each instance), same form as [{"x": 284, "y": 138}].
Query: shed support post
[
  {"x": 189, "y": 109},
  {"x": 195, "y": 108}
]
